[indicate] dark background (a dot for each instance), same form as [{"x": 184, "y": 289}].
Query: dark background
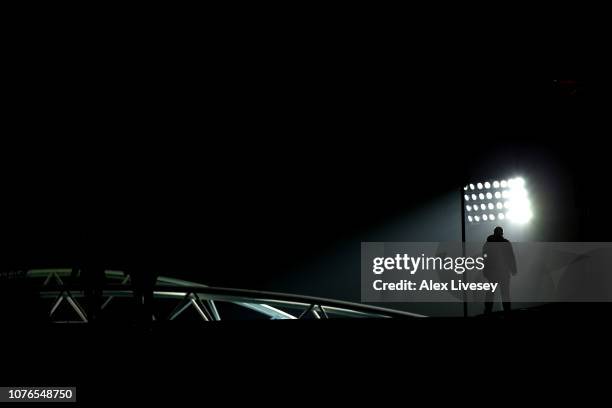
[
  {"x": 235, "y": 176},
  {"x": 228, "y": 138},
  {"x": 238, "y": 158}
]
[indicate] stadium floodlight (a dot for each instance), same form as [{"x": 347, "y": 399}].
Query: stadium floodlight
[{"x": 509, "y": 197}]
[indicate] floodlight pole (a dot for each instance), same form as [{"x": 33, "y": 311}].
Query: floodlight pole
[{"x": 465, "y": 296}]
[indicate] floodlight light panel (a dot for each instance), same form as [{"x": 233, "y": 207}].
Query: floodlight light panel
[{"x": 509, "y": 197}]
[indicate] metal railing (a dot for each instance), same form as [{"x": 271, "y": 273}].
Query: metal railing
[{"x": 57, "y": 285}]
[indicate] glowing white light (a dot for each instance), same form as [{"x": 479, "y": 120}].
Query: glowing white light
[
  {"x": 513, "y": 201},
  {"x": 519, "y": 207},
  {"x": 517, "y": 193},
  {"x": 520, "y": 212}
]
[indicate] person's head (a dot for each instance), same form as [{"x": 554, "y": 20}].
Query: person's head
[{"x": 498, "y": 232}]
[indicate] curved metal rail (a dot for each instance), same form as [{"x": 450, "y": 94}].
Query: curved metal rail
[{"x": 204, "y": 299}]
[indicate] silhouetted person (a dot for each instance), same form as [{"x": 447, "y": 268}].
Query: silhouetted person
[{"x": 500, "y": 265}]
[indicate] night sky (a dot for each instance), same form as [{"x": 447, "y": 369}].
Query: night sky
[
  {"x": 246, "y": 182},
  {"x": 257, "y": 148}
]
